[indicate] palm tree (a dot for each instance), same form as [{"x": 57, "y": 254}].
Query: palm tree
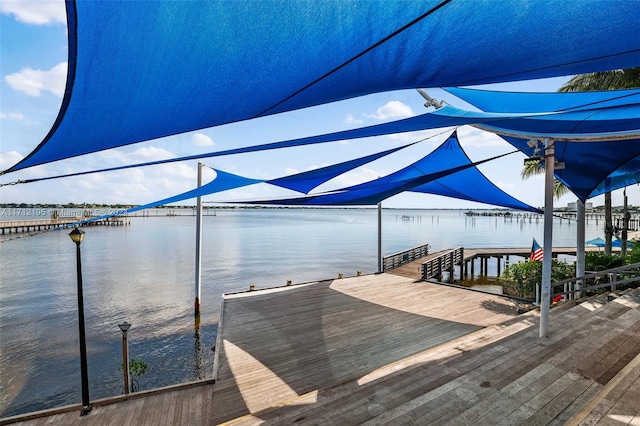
[{"x": 606, "y": 80}]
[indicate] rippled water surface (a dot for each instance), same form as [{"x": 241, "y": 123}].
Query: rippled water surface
[{"x": 144, "y": 274}]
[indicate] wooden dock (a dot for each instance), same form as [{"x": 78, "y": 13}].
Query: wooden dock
[
  {"x": 434, "y": 265},
  {"x": 384, "y": 349},
  {"x": 36, "y": 225}
]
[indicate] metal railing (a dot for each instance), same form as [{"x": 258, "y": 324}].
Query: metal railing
[{"x": 574, "y": 288}]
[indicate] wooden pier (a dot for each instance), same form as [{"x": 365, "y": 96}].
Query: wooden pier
[
  {"x": 419, "y": 264},
  {"x": 20, "y": 226}
]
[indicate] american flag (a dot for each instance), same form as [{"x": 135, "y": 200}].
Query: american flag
[{"x": 536, "y": 251}]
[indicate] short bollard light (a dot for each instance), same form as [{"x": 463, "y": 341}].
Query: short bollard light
[{"x": 124, "y": 327}]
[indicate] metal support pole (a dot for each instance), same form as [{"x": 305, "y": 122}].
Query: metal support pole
[
  {"x": 625, "y": 225},
  {"x": 84, "y": 375},
  {"x": 198, "y": 244},
  {"x": 545, "y": 293},
  {"x": 379, "y": 237},
  {"x": 580, "y": 218}
]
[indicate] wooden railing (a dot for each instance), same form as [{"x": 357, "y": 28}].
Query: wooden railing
[
  {"x": 445, "y": 262},
  {"x": 394, "y": 260},
  {"x": 573, "y": 288}
]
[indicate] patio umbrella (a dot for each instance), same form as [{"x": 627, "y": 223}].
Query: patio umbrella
[
  {"x": 618, "y": 243},
  {"x": 595, "y": 242}
]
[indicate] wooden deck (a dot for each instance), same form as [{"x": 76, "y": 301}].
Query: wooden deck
[
  {"x": 587, "y": 372},
  {"x": 337, "y": 330},
  {"x": 383, "y": 349}
]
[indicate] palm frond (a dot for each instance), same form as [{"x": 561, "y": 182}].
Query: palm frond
[
  {"x": 606, "y": 80},
  {"x": 531, "y": 169},
  {"x": 560, "y": 189}
]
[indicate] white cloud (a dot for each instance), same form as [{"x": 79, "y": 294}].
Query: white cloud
[
  {"x": 354, "y": 177},
  {"x": 41, "y": 12},
  {"x": 34, "y": 82},
  {"x": 8, "y": 159},
  {"x": 472, "y": 137},
  {"x": 180, "y": 170},
  {"x": 151, "y": 153},
  {"x": 11, "y": 116},
  {"x": 393, "y": 109},
  {"x": 504, "y": 185},
  {"x": 200, "y": 139},
  {"x": 144, "y": 154},
  {"x": 349, "y": 119}
]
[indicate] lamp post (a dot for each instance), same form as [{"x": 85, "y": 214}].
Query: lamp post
[
  {"x": 124, "y": 327},
  {"x": 77, "y": 236}
]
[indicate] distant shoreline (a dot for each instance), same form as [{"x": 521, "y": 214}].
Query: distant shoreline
[{"x": 230, "y": 206}]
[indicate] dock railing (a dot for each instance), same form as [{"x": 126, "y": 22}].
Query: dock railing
[
  {"x": 398, "y": 259},
  {"x": 575, "y": 288},
  {"x": 443, "y": 263}
]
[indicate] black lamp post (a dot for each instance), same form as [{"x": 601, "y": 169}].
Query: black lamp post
[{"x": 77, "y": 236}]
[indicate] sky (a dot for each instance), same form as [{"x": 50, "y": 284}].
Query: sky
[{"x": 33, "y": 64}]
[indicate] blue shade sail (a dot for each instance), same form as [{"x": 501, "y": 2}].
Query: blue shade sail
[
  {"x": 519, "y": 102},
  {"x": 140, "y": 70},
  {"x": 587, "y": 165},
  {"x": 306, "y": 181},
  {"x": 591, "y": 117},
  {"x": 626, "y": 175},
  {"x": 445, "y": 171},
  {"x": 223, "y": 182},
  {"x": 301, "y": 182},
  {"x": 607, "y": 122}
]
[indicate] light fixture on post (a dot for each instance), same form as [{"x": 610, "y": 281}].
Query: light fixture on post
[
  {"x": 77, "y": 236},
  {"x": 124, "y": 327}
]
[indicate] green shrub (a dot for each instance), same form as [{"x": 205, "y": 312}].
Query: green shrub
[
  {"x": 521, "y": 279},
  {"x": 597, "y": 261},
  {"x": 136, "y": 369},
  {"x": 633, "y": 255}
]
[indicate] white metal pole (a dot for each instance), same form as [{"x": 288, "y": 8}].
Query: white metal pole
[
  {"x": 198, "y": 245},
  {"x": 379, "y": 237},
  {"x": 545, "y": 293},
  {"x": 580, "y": 240}
]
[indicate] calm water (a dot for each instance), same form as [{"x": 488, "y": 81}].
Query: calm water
[{"x": 143, "y": 273}]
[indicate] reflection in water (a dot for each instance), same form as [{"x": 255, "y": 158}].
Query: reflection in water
[{"x": 197, "y": 351}]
